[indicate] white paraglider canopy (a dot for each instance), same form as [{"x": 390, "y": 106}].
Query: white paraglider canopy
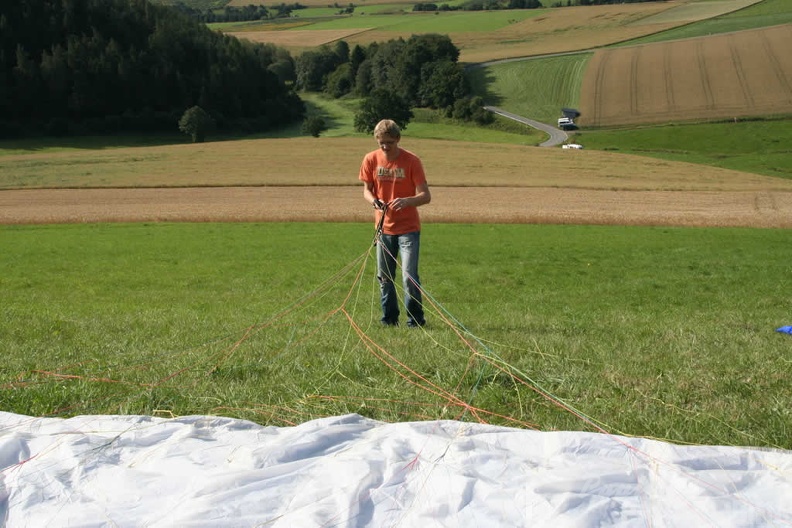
[{"x": 353, "y": 471}]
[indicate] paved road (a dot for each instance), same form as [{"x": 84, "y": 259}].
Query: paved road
[{"x": 557, "y": 136}]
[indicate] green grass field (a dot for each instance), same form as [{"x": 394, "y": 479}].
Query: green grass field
[
  {"x": 758, "y": 146},
  {"x": 665, "y": 333},
  {"x": 655, "y": 332},
  {"x": 536, "y": 88}
]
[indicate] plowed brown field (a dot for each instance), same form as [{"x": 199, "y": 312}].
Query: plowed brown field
[{"x": 732, "y": 75}]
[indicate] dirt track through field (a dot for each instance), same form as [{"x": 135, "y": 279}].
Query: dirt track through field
[{"x": 767, "y": 209}]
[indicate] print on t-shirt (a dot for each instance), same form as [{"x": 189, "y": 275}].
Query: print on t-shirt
[{"x": 386, "y": 173}]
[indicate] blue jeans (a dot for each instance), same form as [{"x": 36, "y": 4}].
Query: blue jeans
[{"x": 388, "y": 249}]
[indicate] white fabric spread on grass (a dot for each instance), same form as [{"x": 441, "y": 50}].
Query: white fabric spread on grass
[{"x": 352, "y": 471}]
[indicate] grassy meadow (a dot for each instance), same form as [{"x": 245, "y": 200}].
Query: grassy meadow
[
  {"x": 759, "y": 146},
  {"x": 655, "y": 332},
  {"x": 658, "y": 332},
  {"x": 537, "y": 88}
]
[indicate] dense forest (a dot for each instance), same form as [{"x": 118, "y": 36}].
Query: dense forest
[{"x": 89, "y": 66}]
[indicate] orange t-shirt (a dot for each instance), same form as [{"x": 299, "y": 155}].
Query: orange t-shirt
[{"x": 394, "y": 179}]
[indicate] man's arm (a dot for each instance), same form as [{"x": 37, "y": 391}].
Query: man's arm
[{"x": 368, "y": 193}]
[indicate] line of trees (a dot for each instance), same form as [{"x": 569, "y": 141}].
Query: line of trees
[
  {"x": 392, "y": 77},
  {"x": 479, "y": 5},
  {"x": 246, "y": 13},
  {"x": 570, "y": 3},
  {"x": 87, "y": 66}
]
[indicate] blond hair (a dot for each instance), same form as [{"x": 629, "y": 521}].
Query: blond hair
[{"x": 387, "y": 127}]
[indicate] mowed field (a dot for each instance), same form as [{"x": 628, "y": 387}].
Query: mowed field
[
  {"x": 745, "y": 73},
  {"x": 259, "y": 181}
]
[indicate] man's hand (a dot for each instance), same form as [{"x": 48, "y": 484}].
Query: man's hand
[
  {"x": 400, "y": 203},
  {"x": 422, "y": 196},
  {"x": 379, "y": 204}
]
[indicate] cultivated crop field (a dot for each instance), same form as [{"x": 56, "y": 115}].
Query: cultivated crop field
[{"x": 723, "y": 76}]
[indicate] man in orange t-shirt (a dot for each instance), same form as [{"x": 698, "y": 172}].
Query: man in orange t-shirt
[{"x": 395, "y": 184}]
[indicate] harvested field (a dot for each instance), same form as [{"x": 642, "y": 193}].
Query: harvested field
[
  {"x": 298, "y": 39},
  {"x": 724, "y": 76},
  {"x": 258, "y": 180},
  {"x": 764, "y": 209},
  {"x": 335, "y": 161},
  {"x": 692, "y": 11}
]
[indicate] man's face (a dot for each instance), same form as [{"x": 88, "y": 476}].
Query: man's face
[{"x": 389, "y": 145}]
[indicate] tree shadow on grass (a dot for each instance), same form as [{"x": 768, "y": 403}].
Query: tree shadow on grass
[{"x": 481, "y": 79}]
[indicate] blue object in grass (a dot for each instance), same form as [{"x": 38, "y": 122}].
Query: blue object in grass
[{"x": 785, "y": 329}]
